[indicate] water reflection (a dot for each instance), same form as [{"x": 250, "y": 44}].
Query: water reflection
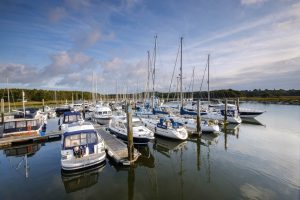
[
  {"x": 252, "y": 121},
  {"x": 82, "y": 179},
  {"x": 21, "y": 151},
  {"x": 146, "y": 158},
  {"x": 167, "y": 146},
  {"x": 230, "y": 129}
]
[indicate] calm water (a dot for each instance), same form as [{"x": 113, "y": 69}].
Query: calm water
[{"x": 251, "y": 161}]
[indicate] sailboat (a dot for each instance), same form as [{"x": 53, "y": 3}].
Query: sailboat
[{"x": 232, "y": 113}]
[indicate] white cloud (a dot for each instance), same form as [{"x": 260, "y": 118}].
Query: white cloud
[{"x": 252, "y": 2}]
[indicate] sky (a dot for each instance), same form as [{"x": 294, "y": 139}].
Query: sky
[{"x": 253, "y": 44}]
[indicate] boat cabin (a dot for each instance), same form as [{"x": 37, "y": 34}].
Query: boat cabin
[
  {"x": 17, "y": 126},
  {"x": 70, "y": 117}
]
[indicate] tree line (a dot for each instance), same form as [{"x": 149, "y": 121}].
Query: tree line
[{"x": 49, "y": 95}]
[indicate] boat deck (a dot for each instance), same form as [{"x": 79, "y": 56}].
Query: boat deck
[
  {"x": 116, "y": 149},
  {"x": 8, "y": 141}
]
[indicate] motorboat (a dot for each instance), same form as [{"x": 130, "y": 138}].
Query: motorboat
[
  {"x": 207, "y": 126},
  {"x": 23, "y": 128},
  {"x": 63, "y": 108},
  {"x": 69, "y": 118},
  {"x": 249, "y": 113},
  {"x": 102, "y": 114},
  {"x": 166, "y": 127},
  {"x": 141, "y": 134},
  {"x": 77, "y": 106},
  {"x": 243, "y": 112},
  {"x": 81, "y": 147},
  {"x": 232, "y": 116}
]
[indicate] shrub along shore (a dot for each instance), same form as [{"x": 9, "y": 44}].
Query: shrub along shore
[{"x": 34, "y": 97}]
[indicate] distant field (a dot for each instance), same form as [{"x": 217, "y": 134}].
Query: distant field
[{"x": 295, "y": 100}]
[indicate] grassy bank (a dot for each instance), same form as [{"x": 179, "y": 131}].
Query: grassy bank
[{"x": 293, "y": 100}]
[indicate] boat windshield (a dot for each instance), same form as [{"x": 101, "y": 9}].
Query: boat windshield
[
  {"x": 137, "y": 124},
  {"x": 72, "y": 118},
  {"x": 80, "y": 139}
]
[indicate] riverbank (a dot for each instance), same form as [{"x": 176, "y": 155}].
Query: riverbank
[
  {"x": 290, "y": 100},
  {"x": 286, "y": 100}
]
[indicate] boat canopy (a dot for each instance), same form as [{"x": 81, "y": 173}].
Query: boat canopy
[
  {"x": 80, "y": 138},
  {"x": 71, "y": 113}
]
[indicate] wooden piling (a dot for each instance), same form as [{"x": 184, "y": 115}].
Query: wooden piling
[
  {"x": 225, "y": 112},
  {"x": 198, "y": 118},
  {"x": 2, "y": 105},
  {"x": 129, "y": 132},
  {"x": 2, "y": 117}
]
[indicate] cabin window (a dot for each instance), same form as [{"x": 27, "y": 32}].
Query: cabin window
[
  {"x": 83, "y": 139},
  {"x": 105, "y": 112},
  {"x": 9, "y": 125},
  {"x": 92, "y": 138},
  {"x": 80, "y": 139},
  {"x": 72, "y": 118},
  {"x": 100, "y": 113},
  {"x": 31, "y": 123},
  {"x": 21, "y": 124}
]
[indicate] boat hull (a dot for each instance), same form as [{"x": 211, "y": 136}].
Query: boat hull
[
  {"x": 250, "y": 114},
  {"x": 136, "y": 140},
  {"x": 103, "y": 121},
  {"x": 84, "y": 162}
]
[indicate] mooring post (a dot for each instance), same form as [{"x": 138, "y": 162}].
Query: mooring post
[
  {"x": 238, "y": 105},
  {"x": 129, "y": 132},
  {"x": 43, "y": 105},
  {"x": 198, "y": 118},
  {"x": 2, "y": 111},
  {"x": 225, "y": 112},
  {"x": 2, "y": 105}
]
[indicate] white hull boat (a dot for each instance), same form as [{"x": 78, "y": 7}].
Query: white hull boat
[
  {"x": 141, "y": 134},
  {"x": 102, "y": 114},
  {"x": 69, "y": 118},
  {"x": 165, "y": 128},
  {"x": 82, "y": 147}
]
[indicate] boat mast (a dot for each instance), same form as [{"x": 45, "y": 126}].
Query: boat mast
[
  {"x": 8, "y": 99},
  {"x": 96, "y": 88},
  {"x": 193, "y": 84},
  {"x": 117, "y": 98},
  {"x": 147, "y": 96},
  {"x": 181, "y": 94},
  {"x": 208, "y": 93},
  {"x": 153, "y": 75},
  {"x": 23, "y": 100}
]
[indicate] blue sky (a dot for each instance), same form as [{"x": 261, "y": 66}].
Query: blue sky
[{"x": 59, "y": 44}]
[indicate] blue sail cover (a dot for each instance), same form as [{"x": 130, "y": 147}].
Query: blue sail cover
[
  {"x": 185, "y": 112},
  {"x": 157, "y": 111}
]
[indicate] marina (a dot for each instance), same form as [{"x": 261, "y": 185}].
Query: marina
[
  {"x": 150, "y": 100},
  {"x": 240, "y": 162}
]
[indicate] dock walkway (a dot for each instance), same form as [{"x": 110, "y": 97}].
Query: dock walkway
[{"x": 116, "y": 149}]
